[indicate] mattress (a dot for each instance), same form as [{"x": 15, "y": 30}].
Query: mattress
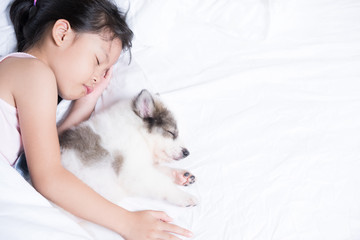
[{"x": 267, "y": 98}]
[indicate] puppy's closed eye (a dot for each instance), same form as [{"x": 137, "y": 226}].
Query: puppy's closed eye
[{"x": 171, "y": 133}]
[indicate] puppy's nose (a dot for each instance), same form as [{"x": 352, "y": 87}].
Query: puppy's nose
[{"x": 185, "y": 152}]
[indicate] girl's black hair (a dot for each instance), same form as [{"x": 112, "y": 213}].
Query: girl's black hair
[{"x": 84, "y": 16}]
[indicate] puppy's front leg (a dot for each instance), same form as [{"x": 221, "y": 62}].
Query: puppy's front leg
[
  {"x": 179, "y": 176},
  {"x": 158, "y": 185},
  {"x": 170, "y": 192}
]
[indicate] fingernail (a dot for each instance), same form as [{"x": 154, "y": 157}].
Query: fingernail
[{"x": 190, "y": 234}]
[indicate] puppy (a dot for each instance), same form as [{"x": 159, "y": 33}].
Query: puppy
[{"x": 119, "y": 152}]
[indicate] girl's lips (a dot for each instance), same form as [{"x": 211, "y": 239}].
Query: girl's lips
[{"x": 89, "y": 89}]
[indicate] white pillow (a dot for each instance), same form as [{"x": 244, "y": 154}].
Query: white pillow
[
  {"x": 7, "y": 39},
  {"x": 152, "y": 20}
]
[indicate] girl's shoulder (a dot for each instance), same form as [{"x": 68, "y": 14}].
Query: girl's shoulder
[
  {"x": 25, "y": 77},
  {"x": 16, "y": 65}
]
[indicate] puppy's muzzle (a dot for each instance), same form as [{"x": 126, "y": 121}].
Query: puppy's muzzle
[{"x": 185, "y": 152}]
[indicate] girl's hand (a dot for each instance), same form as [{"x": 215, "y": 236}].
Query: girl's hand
[{"x": 147, "y": 225}]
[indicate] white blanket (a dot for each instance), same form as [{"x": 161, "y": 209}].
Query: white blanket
[{"x": 267, "y": 96}]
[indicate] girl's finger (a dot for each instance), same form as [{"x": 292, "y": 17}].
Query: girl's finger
[
  {"x": 167, "y": 236},
  {"x": 109, "y": 73},
  {"x": 162, "y": 216},
  {"x": 168, "y": 227},
  {"x": 102, "y": 85}
]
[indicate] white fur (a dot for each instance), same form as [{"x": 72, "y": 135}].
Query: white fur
[{"x": 124, "y": 132}]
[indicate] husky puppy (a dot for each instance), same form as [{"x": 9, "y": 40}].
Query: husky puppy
[{"x": 119, "y": 152}]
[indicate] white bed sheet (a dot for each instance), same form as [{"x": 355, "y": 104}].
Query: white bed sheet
[{"x": 268, "y": 103}]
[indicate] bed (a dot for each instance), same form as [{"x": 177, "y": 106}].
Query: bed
[{"x": 267, "y": 98}]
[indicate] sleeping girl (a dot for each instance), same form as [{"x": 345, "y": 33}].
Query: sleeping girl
[{"x": 65, "y": 48}]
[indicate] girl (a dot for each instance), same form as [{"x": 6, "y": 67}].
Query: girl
[{"x": 66, "y": 48}]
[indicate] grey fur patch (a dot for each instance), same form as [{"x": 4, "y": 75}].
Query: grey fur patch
[
  {"x": 159, "y": 116},
  {"x": 117, "y": 163},
  {"x": 163, "y": 119},
  {"x": 86, "y": 143}
]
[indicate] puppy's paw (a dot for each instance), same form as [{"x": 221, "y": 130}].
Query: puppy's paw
[
  {"x": 192, "y": 202},
  {"x": 183, "y": 177},
  {"x": 188, "y": 201}
]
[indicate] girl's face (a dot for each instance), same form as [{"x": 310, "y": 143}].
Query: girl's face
[{"x": 83, "y": 63}]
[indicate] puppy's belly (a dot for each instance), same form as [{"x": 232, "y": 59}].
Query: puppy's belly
[{"x": 100, "y": 175}]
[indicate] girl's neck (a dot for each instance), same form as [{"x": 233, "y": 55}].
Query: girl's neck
[
  {"x": 36, "y": 52},
  {"x": 43, "y": 50}
]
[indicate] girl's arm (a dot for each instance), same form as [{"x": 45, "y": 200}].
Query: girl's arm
[{"x": 36, "y": 101}]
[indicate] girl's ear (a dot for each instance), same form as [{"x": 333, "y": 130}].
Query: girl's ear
[{"x": 61, "y": 31}]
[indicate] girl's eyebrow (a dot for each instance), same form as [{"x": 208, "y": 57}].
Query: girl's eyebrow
[
  {"x": 101, "y": 58},
  {"x": 105, "y": 51},
  {"x": 106, "y": 56}
]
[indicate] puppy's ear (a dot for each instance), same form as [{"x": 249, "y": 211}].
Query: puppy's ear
[{"x": 143, "y": 104}]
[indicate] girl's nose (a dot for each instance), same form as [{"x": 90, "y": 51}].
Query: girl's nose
[{"x": 95, "y": 79}]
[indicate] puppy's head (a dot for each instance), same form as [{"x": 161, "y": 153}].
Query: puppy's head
[{"x": 161, "y": 130}]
